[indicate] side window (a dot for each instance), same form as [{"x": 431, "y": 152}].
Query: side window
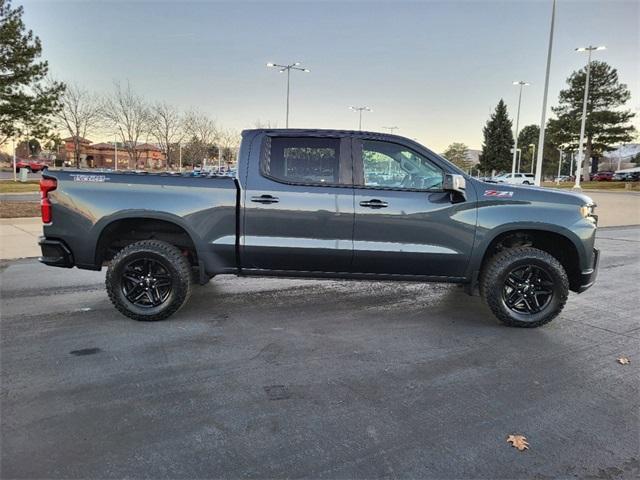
[
  {"x": 305, "y": 160},
  {"x": 389, "y": 165}
]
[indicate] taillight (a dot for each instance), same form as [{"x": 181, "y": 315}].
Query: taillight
[{"x": 46, "y": 185}]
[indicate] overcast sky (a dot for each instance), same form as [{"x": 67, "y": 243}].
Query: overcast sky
[{"x": 434, "y": 69}]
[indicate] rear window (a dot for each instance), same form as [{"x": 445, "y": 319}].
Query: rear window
[{"x": 303, "y": 160}]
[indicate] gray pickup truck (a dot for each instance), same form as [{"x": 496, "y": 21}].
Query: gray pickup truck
[{"x": 322, "y": 204}]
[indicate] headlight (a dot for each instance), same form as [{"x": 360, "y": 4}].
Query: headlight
[{"x": 588, "y": 212}]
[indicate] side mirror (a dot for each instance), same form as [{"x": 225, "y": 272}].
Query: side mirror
[{"x": 454, "y": 183}]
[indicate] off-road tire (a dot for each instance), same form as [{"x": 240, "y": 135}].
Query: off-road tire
[
  {"x": 493, "y": 277},
  {"x": 171, "y": 259}
]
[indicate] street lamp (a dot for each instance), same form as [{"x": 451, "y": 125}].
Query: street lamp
[
  {"x": 580, "y": 158},
  {"x": 288, "y": 68},
  {"x": 521, "y": 83},
  {"x": 360, "y": 110},
  {"x": 538, "y": 178},
  {"x": 391, "y": 129}
]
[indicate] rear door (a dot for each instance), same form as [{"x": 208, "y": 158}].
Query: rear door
[
  {"x": 299, "y": 212},
  {"x": 405, "y": 223}
]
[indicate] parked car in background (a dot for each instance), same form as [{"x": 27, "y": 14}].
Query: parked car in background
[
  {"x": 516, "y": 178},
  {"x": 603, "y": 177},
  {"x": 563, "y": 178},
  {"x": 31, "y": 165}
]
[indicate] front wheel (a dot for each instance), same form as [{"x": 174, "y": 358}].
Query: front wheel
[
  {"x": 149, "y": 280},
  {"x": 524, "y": 286}
]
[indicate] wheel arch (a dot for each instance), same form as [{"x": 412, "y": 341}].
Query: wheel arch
[
  {"x": 146, "y": 225},
  {"x": 559, "y": 242}
]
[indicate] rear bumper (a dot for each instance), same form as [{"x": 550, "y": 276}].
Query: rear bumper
[
  {"x": 588, "y": 277},
  {"x": 55, "y": 253}
]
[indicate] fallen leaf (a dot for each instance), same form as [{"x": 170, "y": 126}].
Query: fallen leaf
[
  {"x": 518, "y": 441},
  {"x": 624, "y": 361}
]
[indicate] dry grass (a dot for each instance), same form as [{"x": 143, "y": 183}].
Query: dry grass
[
  {"x": 19, "y": 209},
  {"x": 9, "y": 186}
]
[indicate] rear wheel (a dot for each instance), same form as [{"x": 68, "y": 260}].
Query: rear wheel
[
  {"x": 524, "y": 286},
  {"x": 149, "y": 280}
]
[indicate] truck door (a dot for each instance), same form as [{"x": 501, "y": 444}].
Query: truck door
[
  {"x": 298, "y": 204},
  {"x": 405, "y": 223}
]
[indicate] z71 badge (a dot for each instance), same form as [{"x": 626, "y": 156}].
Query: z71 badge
[{"x": 498, "y": 193}]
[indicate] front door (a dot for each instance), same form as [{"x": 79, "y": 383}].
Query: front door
[
  {"x": 298, "y": 213},
  {"x": 405, "y": 223}
]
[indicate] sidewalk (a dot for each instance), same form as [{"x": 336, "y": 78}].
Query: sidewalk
[{"x": 19, "y": 237}]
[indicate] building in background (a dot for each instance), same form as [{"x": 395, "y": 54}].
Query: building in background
[{"x": 102, "y": 155}]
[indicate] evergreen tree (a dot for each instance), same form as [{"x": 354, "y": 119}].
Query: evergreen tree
[
  {"x": 606, "y": 125},
  {"x": 498, "y": 141},
  {"x": 550, "y": 157},
  {"x": 458, "y": 154},
  {"x": 26, "y": 100}
]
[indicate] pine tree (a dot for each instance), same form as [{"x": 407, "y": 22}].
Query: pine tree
[
  {"x": 458, "y": 154},
  {"x": 606, "y": 125},
  {"x": 26, "y": 99},
  {"x": 498, "y": 141}
]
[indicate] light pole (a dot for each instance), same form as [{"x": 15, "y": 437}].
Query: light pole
[
  {"x": 538, "y": 176},
  {"x": 559, "y": 166},
  {"x": 360, "y": 110},
  {"x": 391, "y": 129},
  {"x": 580, "y": 159},
  {"x": 521, "y": 83},
  {"x": 288, "y": 68},
  {"x": 533, "y": 155}
]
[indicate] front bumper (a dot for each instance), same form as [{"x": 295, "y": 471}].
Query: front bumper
[
  {"x": 588, "y": 277},
  {"x": 55, "y": 253}
]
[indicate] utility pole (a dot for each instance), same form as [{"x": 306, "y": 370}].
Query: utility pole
[
  {"x": 288, "y": 68},
  {"x": 543, "y": 120},
  {"x": 391, "y": 129},
  {"x": 15, "y": 165},
  {"x": 580, "y": 161}
]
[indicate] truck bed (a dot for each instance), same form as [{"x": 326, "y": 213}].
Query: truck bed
[{"x": 87, "y": 204}]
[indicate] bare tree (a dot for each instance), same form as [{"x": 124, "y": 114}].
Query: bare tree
[
  {"x": 79, "y": 115},
  {"x": 167, "y": 127},
  {"x": 127, "y": 113},
  {"x": 229, "y": 141},
  {"x": 203, "y": 134}
]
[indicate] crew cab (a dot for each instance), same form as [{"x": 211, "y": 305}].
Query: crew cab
[{"x": 328, "y": 204}]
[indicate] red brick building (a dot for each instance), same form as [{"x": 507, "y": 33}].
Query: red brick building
[{"x": 102, "y": 155}]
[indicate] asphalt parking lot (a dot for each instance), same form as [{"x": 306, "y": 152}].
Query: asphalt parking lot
[{"x": 273, "y": 378}]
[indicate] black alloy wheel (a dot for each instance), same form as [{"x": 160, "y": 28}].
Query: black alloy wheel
[
  {"x": 146, "y": 282},
  {"x": 527, "y": 289}
]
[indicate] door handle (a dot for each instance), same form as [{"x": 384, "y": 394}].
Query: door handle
[
  {"x": 265, "y": 199},
  {"x": 374, "y": 203}
]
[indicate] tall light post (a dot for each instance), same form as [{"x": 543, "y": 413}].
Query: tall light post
[
  {"x": 391, "y": 129},
  {"x": 580, "y": 160},
  {"x": 360, "y": 110},
  {"x": 288, "y": 68},
  {"x": 571, "y": 166},
  {"x": 521, "y": 83},
  {"x": 533, "y": 155},
  {"x": 543, "y": 118}
]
